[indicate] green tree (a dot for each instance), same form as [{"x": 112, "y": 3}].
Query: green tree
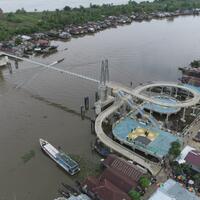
[
  {"x": 144, "y": 182},
  {"x": 134, "y": 195},
  {"x": 66, "y": 8},
  {"x": 176, "y": 168},
  {"x": 18, "y": 41},
  {"x": 196, "y": 178},
  {"x": 186, "y": 169},
  {"x": 195, "y": 63},
  {"x": 175, "y": 149},
  {"x": 20, "y": 11}
]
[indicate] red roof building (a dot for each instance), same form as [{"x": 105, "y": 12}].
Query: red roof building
[
  {"x": 124, "y": 183},
  {"x": 103, "y": 190},
  {"x": 43, "y": 43},
  {"x": 124, "y": 168},
  {"x": 193, "y": 159},
  {"x": 115, "y": 182}
]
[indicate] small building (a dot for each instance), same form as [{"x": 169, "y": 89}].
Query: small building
[
  {"x": 38, "y": 36},
  {"x": 103, "y": 189},
  {"x": 191, "y": 156},
  {"x": 117, "y": 179},
  {"x": 172, "y": 190},
  {"x": 193, "y": 159},
  {"x": 79, "y": 197},
  {"x": 64, "y": 35},
  {"x": 43, "y": 43},
  {"x": 26, "y": 38},
  {"x": 120, "y": 165}
]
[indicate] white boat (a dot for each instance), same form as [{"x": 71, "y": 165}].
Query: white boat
[
  {"x": 3, "y": 61},
  {"x": 60, "y": 157}
]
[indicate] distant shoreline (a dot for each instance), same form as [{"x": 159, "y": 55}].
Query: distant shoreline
[
  {"x": 94, "y": 18},
  {"x": 52, "y": 5}
]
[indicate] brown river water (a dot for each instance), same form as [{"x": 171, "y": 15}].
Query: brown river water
[{"x": 47, "y": 106}]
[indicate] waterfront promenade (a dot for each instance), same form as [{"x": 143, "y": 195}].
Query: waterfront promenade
[
  {"x": 153, "y": 168},
  {"x": 136, "y": 92}
]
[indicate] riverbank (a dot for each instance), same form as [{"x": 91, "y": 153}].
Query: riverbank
[
  {"x": 39, "y": 43},
  {"x": 42, "y": 108},
  {"x": 86, "y": 20}
]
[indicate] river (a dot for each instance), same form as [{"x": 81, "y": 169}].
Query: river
[
  {"x": 13, "y": 5},
  {"x": 47, "y": 105}
]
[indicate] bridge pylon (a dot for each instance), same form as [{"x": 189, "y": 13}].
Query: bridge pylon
[{"x": 104, "y": 98}]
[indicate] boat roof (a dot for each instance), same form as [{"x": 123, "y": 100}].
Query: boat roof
[
  {"x": 66, "y": 160},
  {"x": 51, "y": 149}
]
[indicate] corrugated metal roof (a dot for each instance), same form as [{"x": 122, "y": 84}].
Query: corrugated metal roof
[
  {"x": 184, "y": 153},
  {"x": 172, "y": 190},
  {"x": 79, "y": 197},
  {"x": 193, "y": 158},
  {"x": 158, "y": 195},
  {"x": 124, "y": 167}
]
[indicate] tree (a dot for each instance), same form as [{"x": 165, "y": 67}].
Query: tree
[
  {"x": 195, "y": 63},
  {"x": 134, "y": 194},
  {"x": 175, "y": 149},
  {"x": 144, "y": 182},
  {"x": 66, "y": 8},
  {"x": 20, "y": 11},
  {"x": 177, "y": 170},
  {"x": 186, "y": 169},
  {"x": 18, "y": 41},
  {"x": 196, "y": 178}
]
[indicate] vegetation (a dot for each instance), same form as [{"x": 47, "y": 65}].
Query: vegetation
[
  {"x": 28, "y": 156},
  {"x": 144, "y": 182},
  {"x": 195, "y": 63},
  {"x": 196, "y": 178},
  {"x": 134, "y": 195},
  {"x": 181, "y": 169},
  {"x": 22, "y": 22},
  {"x": 175, "y": 149}
]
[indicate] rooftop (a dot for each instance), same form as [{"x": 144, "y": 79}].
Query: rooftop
[
  {"x": 104, "y": 189},
  {"x": 184, "y": 153},
  {"x": 193, "y": 157},
  {"x": 124, "y": 183},
  {"x": 159, "y": 141},
  {"x": 65, "y": 159},
  {"x": 79, "y": 197},
  {"x": 171, "y": 190},
  {"x": 123, "y": 166},
  {"x": 162, "y": 109}
]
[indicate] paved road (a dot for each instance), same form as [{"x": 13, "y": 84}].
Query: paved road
[{"x": 191, "y": 132}]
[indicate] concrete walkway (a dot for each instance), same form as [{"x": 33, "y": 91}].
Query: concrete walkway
[{"x": 137, "y": 92}]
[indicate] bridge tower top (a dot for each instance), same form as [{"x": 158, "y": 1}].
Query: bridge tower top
[{"x": 104, "y": 98}]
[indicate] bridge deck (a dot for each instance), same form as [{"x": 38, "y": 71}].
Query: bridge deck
[
  {"x": 137, "y": 93},
  {"x": 50, "y": 67}
]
